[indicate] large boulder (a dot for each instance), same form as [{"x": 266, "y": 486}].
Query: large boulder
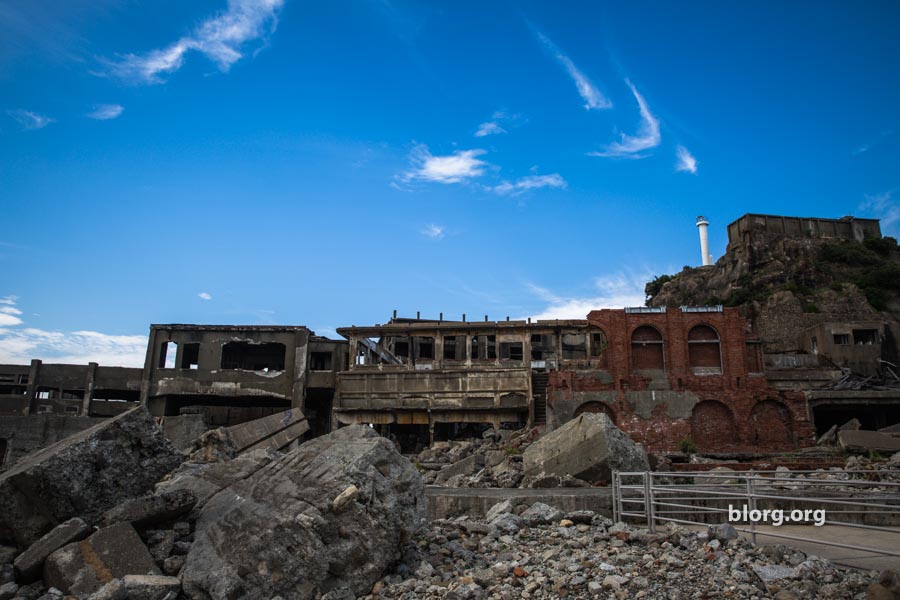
[
  {"x": 297, "y": 528},
  {"x": 83, "y": 475},
  {"x": 588, "y": 447}
]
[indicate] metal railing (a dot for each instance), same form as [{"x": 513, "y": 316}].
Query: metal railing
[{"x": 700, "y": 498}]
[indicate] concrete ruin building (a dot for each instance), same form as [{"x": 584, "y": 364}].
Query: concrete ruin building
[{"x": 232, "y": 374}]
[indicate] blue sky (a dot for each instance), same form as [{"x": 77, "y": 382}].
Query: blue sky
[{"x": 277, "y": 161}]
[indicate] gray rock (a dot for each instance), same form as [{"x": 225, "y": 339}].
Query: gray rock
[
  {"x": 724, "y": 532},
  {"x": 151, "y": 587},
  {"x": 505, "y": 506},
  {"x": 770, "y": 573},
  {"x": 7, "y": 573},
  {"x": 275, "y": 532},
  {"x": 507, "y": 523},
  {"x": 162, "y": 545},
  {"x": 83, "y": 475},
  {"x": 30, "y": 563},
  {"x": 152, "y": 509},
  {"x": 588, "y": 447},
  {"x": 466, "y": 466},
  {"x": 8, "y": 591},
  {"x": 7, "y": 554},
  {"x": 81, "y": 568},
  {"x": 829, "y": 438},
  {"x": 542, "y": 514},
  {"x": 111, "y": 590},
  {"x": 173, "y": 565}
]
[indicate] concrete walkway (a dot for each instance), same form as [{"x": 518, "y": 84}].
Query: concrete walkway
[{"x": 882, "y": 540}]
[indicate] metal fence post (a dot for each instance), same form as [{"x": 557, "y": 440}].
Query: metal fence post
[
  {"x": 751, "y": 505},
  {"x": 615, "y": 496},
  {"x": 651, "y": 509},
  {"x": 645, "y": 476}
]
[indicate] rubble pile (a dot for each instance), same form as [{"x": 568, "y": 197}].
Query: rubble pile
[
  {"x": 327, "y": 517},
  {"x": 540, "y": 552},
  {"x": 494, "y": 460}
]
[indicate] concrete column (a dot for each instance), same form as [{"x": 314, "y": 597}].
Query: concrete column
[
  {"x": 468, "y": 339},
  {"x": 34, "y": 372},
  {"x": 88, "y": 389}
]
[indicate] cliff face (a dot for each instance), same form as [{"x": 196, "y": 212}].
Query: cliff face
[{"x": 786, "y": 285}]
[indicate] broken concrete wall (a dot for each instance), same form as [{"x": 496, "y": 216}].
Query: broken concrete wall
[
  {"x": 23, "y": 435},
  {"x": 332, "y": 513},
  {"x": 83, "y": 475}
]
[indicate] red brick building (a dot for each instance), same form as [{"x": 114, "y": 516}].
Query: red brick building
[{"x": 667, "y": 375}]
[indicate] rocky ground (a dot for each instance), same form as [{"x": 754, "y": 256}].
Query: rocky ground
[{"x": 543, "y": 553}]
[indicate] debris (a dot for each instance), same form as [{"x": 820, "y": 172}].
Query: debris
[
  {"x": 588, "y": 447},
  {"x": 83, "y": 475},
  {"x": 151, "y": 509},
  {"x": 274, "y": 431},
  {"x": 851, "y": 425},
  {"x": 345, "y": 498},
  {"x": 81, "y": 568},
  {"x": 274, "y": 532},
  {"x": 829, "y": 438},
  {"x": 868, "y": 441},
  {"x": 30, "y": 563}
]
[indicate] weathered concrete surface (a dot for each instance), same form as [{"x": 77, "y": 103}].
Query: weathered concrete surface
[
  {"x": 275, "y": 431},
  {"x": 445, "y": 503},
  {"x": 151, "y": 509},
  {"x": 864, "y": 441},
  {"x": 205, "y": 480},
  {"x": 276, "y": 533},
  {"x": 83, "y": 475},
  {"x": 588, "y": 447},
  {"x": 184, "y": 430},
  {"x": 30, "y": 563},
  {"x": 27, "y": 434},
  {"x": 84, "y": 567}
]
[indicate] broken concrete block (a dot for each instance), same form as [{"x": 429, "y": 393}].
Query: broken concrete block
[
  {"x": 151, "y": 509},
  {"x": 274, "y": 431},
  {"x": 829, "y": 438},
  {"x": 851, "y": 425},
  {"x": 30, "y": 563},
  {"x": 467, "y": 466},
  {"x": 542, "y": 514},
  {"x": 868, "y": 441},
  {"x": 151, "y": 587},
  {"x": 83, "y": 475},
  {"x": 274, "y": 533},
  {"x": 205, "y": 479},
  {"x": 82, "y": 568},
  {"x": 588, "y": 447}
]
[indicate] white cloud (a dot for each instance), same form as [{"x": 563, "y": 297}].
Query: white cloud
[
  {"x": 554, "y": 180},
  {"x": 882, "y": 206},
  {"x": 20, "y": 345},
  {"x": 29, "y": 120},
  {"x": 434, "y": 232},
  {"x": 489, "y": 128},
  {"x": 105, "y": 112},
  {"x": 586, "y": 89},
  {"x": 220, "y": 39},
  {"x": 204, "y": 296},
  {"x": 453, "y": 168},
  {"x": 686, "y": 161},
  {"x": 647, "y": 137},
  {"x": 614, "y": 291}
]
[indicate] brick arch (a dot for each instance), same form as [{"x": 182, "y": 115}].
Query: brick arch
[
  {"x": 596, "y": 407},
  {"x": 712, "y": 426},
  {"x": 703, "y": 347},
  {"x": 647, "y": 348},
  {"x": 773, "y": 425}
]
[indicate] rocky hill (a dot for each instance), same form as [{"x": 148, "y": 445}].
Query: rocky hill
[{"x": 788, "y": 284}]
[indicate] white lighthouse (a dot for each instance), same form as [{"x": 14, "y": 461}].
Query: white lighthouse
[{"x": 703, "y": 226}]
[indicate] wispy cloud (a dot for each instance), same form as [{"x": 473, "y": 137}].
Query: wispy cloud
[
  {"x": 863, "y": 148},
  {"x": 612, "y": 291},
  {"x": 489, "y": 128},
  {"x": 204, "y": 296},
  {"x": 221, "y": 39},
  {"x": 592, "y": 97},
  {"x": 105, "y": 112},
  {"x": 532, "y": 182},
  {"x": 632, "y": 146},
  {"x": 29, "y": 120},
  {"x": 685, "y": 160},
  {"x": 457, "y": 167},
  {"x": 433, "y": 232},
  {"x": 884, "y": 207}
]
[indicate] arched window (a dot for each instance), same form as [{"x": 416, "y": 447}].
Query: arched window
[
  {"x": 703, "y": 350},
  {"x": 647, "y": 348}
]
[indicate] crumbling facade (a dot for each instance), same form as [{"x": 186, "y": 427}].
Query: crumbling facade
[
  {"x": 232, "y": 374},
  {"x": 742, "y": 231},
  {"x": 682, "y": 376}
]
